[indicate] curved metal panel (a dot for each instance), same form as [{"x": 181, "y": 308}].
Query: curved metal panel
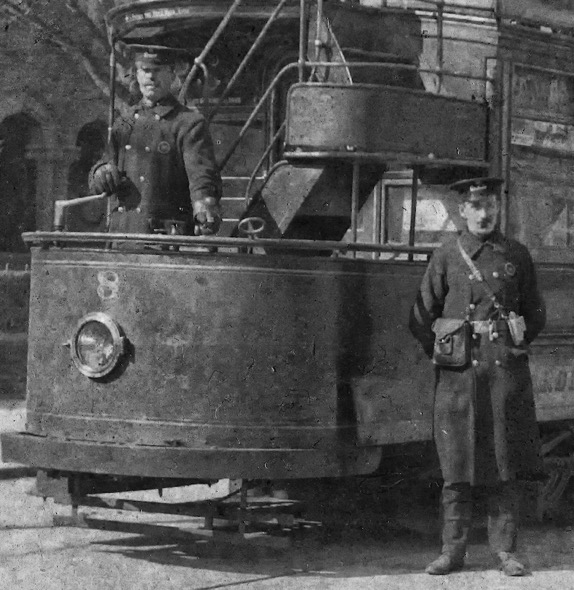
[
  {"x": 130, "y": 15},
  {"x": 229, "y": 352},
  {"x": 383, "y": 119}
]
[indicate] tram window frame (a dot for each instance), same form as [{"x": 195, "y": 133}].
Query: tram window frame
[
  {"x": 540, "y": 205},
  {"x": 394, "y": 230}
]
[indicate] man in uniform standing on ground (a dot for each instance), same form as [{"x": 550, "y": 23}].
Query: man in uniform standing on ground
[
  {"x": 477, "y": 310},
  {"x": 159, "y": 165}
]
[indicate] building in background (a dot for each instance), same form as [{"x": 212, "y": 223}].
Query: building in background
[
  {"x": 53, "y": 111},
  {"x": 53, "y": 104}
]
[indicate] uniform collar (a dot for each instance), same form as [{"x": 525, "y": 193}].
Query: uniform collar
[
  {"x": 161, "y": 108},
  {"x": 473, "y": 244}
]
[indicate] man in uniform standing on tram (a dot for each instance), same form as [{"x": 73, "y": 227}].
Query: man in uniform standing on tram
[
  {"x": 159, "y": 165},
  {"x": 477, "y": 310}
]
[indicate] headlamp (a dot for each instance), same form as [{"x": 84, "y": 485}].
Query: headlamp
[{"x": 97, "y": 345}]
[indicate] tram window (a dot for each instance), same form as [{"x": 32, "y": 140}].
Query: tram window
[
  {"x": 541, "y": 204},
  {"x": 436, "y": 216},
  {"x": 540, "y": 210}
]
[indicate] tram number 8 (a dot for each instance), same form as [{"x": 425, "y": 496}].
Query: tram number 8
[{"x": 108, "y": 285}]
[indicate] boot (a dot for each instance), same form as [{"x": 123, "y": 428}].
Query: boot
[
  {"x": 510, "y": 566},
  {"x": 444, "y": 564},
  {"x": 457, "y": 513},
  {"x": 503, "y": 511}
]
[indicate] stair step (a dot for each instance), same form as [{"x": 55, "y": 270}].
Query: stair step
[{"x": 232, "y": 207}]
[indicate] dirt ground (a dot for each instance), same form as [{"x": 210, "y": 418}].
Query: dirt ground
[{"x": 359, "y": 545}]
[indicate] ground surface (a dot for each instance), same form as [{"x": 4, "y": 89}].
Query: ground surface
[
  {"x": 389, "y": 553},
  {"x": 370, "y": 538}
]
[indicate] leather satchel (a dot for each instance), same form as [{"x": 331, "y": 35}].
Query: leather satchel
[{"x": 452, "y": 342}]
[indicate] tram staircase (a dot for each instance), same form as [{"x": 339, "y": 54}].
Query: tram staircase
[{"x": 345, "y": 125}]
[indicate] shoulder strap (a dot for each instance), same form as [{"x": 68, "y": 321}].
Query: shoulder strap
[
  {"x": 475, "y": 272},
  {"x": 478, "y": 276}
]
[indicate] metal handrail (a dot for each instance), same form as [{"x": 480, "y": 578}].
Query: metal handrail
[
  {"x": 440, "y": 42},
  {"x": 198, "y": 61},
  {"x": 303, "y": 63},
  {"x": 112, "y": 79},
  {"x": 318, "y": 28},
  {"x": 291, "y": 66},
  {"x": 381, "y": 157},
  {"x": 255, "y": 112},
  {"x": 58, "y": 238},
  {"x": 261, "y": 161},
  {"x": 399, "y": 66},
  {"x": 302, "y": 39},
  {"x": 448, "y": 4},
  {"x": 247, "y": 57}
]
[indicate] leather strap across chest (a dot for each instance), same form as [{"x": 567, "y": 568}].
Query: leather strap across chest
[{"x": 480, "y": 278}]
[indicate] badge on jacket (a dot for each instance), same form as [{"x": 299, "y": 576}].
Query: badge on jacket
[
  {"x": 163, "y": 147},
  {"x": 510, "y": 269}
]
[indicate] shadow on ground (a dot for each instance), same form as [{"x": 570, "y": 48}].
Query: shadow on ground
[{"x": 363, "y": 532}]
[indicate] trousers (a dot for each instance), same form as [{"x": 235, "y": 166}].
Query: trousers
[{"x": 503, "y": 514}]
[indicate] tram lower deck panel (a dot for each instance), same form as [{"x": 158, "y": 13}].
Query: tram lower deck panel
[
  {"x": 201, "y": 364},
  {"x": 234, "y": 352}
]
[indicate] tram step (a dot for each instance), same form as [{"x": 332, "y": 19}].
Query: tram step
[{"x": 310, "y": 201}]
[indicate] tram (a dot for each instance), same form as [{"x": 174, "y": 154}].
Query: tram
[{"x": 279, "y": 349}]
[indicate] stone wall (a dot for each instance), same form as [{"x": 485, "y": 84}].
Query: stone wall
[
  {"x": 58, "y": 98},
  {"x": 52, "y": 89}
]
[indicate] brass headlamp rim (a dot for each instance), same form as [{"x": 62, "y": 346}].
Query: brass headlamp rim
[{"x": 118, "y": 345}]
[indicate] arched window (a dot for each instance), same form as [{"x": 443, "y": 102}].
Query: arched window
[
  {"x": 91, "y": 142},
  {"x": 18, "y": 177}
]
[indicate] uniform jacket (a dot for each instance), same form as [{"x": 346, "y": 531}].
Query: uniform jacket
[
  {"x": 166, "y": 155},
  {"x": 484, "y": 418}
]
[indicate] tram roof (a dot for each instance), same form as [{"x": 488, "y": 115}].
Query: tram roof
[
  {"x": 147, "y": 18},
  {"x": 144, "y": 18}
]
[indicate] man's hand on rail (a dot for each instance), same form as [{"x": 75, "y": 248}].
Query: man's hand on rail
[
  {"x": 106, "y": 179},
  {"x": 207, "y": 216}
]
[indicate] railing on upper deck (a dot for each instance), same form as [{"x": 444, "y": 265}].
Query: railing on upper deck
[
  {"x": 307, "y": 68},
  {"x": 435, "y": 10},
  {"x": 305, "y": 65}
]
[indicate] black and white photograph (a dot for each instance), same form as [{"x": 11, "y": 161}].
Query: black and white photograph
[{"x": 287, "y": 294}]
